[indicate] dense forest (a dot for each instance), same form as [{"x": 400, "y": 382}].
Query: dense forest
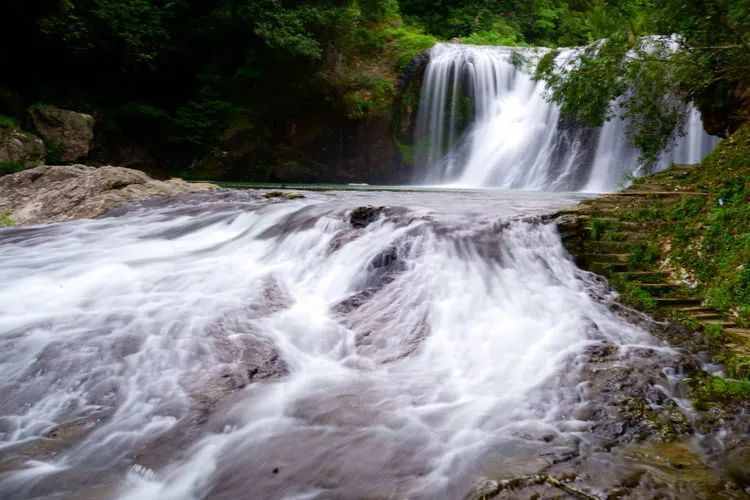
[{"x": 306, "y": 90}]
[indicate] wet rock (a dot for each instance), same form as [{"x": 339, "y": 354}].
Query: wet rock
[
  {"x": 364, "y": 216},
  {"x": 287, "y": 195},
  {"x": 21, "y": 147},
  {"x": 71, "y": 132},
  {"x": 58, "y": 193}
]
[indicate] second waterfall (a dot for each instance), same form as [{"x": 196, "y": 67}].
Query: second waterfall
[{"x": 484, "y": 121}]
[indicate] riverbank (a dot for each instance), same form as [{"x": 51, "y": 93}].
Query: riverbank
[{"x": 676, "y": 245}]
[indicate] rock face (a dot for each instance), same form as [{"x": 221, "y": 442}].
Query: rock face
[
  {"x": 72, "y": 132},
  {"x": 21, "y": 147},
  {"x": 58, "y": 193}
]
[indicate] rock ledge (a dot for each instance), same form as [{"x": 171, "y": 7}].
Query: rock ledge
[{"x": 58, "y": 193}]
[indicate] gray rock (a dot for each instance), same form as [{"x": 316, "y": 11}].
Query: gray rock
[
  {"x": 21, "y": 147},
  {"x": 57, "y": 193},
  {"x": 70, "y": 131}
]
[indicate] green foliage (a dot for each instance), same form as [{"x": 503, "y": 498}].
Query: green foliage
[
  {"x": 499, "y": 33},
  {"x": 374, "y": 94},
  {"x": 585, "y": 87},
  {"x": 598, "y": 227},
  {"x": 198, "y": 122},
  {"x": 134, "y": 29},
  {"x": 407, "y": 43},
  {"x": 651, "y": 80},
  {"x": 492, "y": 38},
  {"x": 743, "y": 316},
  {"x": 714, "y": 334},
  {"x": 54, "y": 153},
  {"x": 737, "y": 366},
  {"x": 643, "y": 255},
  {"x": 713, "y": 389},
  {"x": 7, "y": 122},
  {"x": 10, "y": 167},
  {"x": 633, "y": 295}
]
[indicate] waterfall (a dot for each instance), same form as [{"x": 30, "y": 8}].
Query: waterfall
[
  {"x": 227, "y": 346},
  {"x": 484, "y": 121}
]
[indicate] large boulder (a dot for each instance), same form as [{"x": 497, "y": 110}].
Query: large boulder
[
  {"x": 58, "y": 193},
  {"x": 21, "y": 148},
  {"x": 70, "y": 132}
]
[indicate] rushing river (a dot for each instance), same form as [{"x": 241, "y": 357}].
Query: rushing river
[{"x": 229, "y": 346}]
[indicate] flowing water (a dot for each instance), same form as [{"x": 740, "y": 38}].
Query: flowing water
[
  {"x": 484, "y": 121},
  {"x": 227, "y": 346}
]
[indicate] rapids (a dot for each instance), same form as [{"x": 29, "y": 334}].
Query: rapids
[
  {"x": 227, "y": 346},
  {"x": 484, "y": 121}
]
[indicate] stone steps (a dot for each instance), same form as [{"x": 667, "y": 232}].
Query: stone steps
[
  {"x": 621, "y": 236},
  {"x": 719, "y": 322},
  {"x": 602, "y": 242},
  {"x": 674, "y": 302},
  {"x": 659, "y": 289},
  {"x": 607, "y": 246},
  {"x": 645, "y": 276},
  {"x": 606, "y": 257},
  {"x": 605, "y": 268},
  {"x": 705, "y": 315}
]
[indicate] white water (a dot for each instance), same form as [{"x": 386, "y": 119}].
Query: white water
[
  {"x": 459, "y": 356},
  {"x": 515, "y": 138}
]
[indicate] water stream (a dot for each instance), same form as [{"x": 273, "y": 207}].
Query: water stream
[{"x": 227, "y": 346}]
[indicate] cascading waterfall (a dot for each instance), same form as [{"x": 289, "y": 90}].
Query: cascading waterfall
[
  {"x": 484, "y": 121},
  {"x": 231, "y": 347}
]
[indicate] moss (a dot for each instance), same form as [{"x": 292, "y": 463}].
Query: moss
[
  {"x": 6, "y": 220},
  {"x": 287, "y": 195},
  {"x": 407, "y": 153}
]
